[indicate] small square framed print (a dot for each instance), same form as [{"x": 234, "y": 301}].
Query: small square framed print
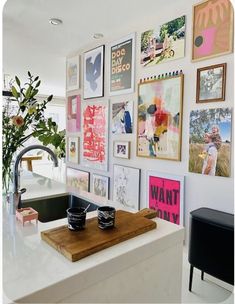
[
  {"x": 121, "y": 149},
  {"x": 100, "y": 185},
  {"x": 211, "y": 82},
  {"x": 73, "y": 149}
]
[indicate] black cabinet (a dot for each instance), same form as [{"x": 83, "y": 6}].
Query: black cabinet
[{"x": 211, "y": 247}]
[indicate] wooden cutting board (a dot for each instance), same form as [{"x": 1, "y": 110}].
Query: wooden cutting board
[{"x": 77, "y": 245}]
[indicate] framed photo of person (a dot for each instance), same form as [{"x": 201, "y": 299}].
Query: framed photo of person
[
  {"x": 100, "y": 185},
  {"x": 94, "y": 73},
  {"x": 73, "y": 149},
  {"x": 121, "y": 149},
  {"x": 72, "y": 73},
  {"x": 211, "y": 83}
]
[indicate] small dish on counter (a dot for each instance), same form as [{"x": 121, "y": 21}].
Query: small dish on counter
[{"x": 26, "y": 215}]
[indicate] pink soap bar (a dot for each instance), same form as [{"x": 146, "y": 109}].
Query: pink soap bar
[{"x": 26, "y": 215}]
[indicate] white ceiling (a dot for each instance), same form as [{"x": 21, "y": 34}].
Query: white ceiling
[{"x": 31, "y": 43}]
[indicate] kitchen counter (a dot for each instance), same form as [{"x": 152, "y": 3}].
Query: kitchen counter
[{"x": 147, "y": 268}]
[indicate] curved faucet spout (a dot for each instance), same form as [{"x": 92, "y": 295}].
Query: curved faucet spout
[{"x": 19, "y": 157}]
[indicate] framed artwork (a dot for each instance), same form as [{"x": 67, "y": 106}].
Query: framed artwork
[
  {"x": 210, "y": 141},
  {"x": 95, "y": 135},
  {"x": 160, "y": 118},
  {"x": 122, "y": 117},
  {"x": 78, "y": 179},
  {"x": 121, "y": 149},
  {"x": 94, "y": 73},
  {"x": 72, "y": 73},
  {"x": 211, "y": 82},
  {"x": 126, "y": 186},
  {"x": 74, "y": 113},
  {"x": 100, "y": 185},
  {"x": 212, "y": 29},
  {"x": 164, "y": 43},
  {"x": 122, "y": 65},
  {"x": 73, "y": 149},
  {"x": 166, "y": 195}
]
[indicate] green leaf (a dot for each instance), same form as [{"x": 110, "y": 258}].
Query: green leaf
[
  {"x": 14, "y": 92},
  {"x": 49, "y": 98},
  {"x": 34, "y": 93},
  {"x": 38, "y": 84},
  {"x": 29, "y": 74},
  {"x": 17, "y": 80},
  {"x": 28, "y": 92},
  {"x": 36, "y": 78}
]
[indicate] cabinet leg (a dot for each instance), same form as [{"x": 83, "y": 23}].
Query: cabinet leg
[
  {"x": 202, "y": 275},
  {"x": 191, "y": 278}
]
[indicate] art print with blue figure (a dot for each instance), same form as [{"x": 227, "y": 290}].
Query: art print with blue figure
[{"x": 93, "y": 73}]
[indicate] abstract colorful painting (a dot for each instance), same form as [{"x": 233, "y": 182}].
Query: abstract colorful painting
[
  {"x": 211, "y": 83},
  {"x": 212, "y": 29},
  {"x": 122, "y": 117},
  {"x": 159, "y": 118},
  {"x": 73, "y": 149},
  {"x": 74, "y": 113},
  {"x": 126, "y": 186},
  {"x": 210, "y": 141},
  {"x": 122, "y": 58},
  {"x": 100, "y": 185},
  {"x": 163, "y": 44},
  {"x": 77, "y": 179},
  {"x": 94, "y": 73},
  {"x": 73, "y": 73},
  {"x": 95, "y": 135},
  {"x": 166, "y": 195}
]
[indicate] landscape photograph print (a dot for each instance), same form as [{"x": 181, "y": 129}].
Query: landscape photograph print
[
  {"x": 210, "y": 142},
  {"x": 164, "y": 43}
]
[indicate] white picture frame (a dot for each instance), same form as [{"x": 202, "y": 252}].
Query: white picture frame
[
  {"x": 94, "y": 147},
  {"x": 73, "y": 73},
  {"x": 121, "y": 149},
  {"x": 118, "y": 65},
  {"x": 93, "y": 76},
  {"x": 73, "y": 149},
  {"x": 166, "y": 195},
  {"x": 100, "y": 185},
  {"x": 126, "y": 187}
]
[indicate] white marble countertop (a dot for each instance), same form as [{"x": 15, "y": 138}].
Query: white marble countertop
[{"x": 30, "y": 265}]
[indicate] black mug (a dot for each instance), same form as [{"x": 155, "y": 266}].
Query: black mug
[
  {"x": 106, "y": 217},
  {"x": 76, "y": 218}
]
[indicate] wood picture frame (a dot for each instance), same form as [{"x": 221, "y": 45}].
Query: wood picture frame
[
  {"x": 121, "y": 149},
  {"x": 211, "y": 83},
  {"x": 100, "y": 185},
  {"x": 160, "y": 112},
  {"x": 93, "y": 73},
  {"x": 73, "y": 149},
  {"x": 78, "y": 179},
  {"x": 212, "y": 29},
  {"x": 73, "y": 73}
]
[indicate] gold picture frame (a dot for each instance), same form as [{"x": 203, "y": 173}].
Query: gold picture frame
[{"x": 159, "y": 123}]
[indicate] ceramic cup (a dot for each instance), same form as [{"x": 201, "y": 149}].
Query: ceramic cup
[
  {"x": 76, "y": 218},
  {"x": 106, "y": 217}
]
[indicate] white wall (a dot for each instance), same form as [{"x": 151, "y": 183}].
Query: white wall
[{"x": 200, "y": 190}]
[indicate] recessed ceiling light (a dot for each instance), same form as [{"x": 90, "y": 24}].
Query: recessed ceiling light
[
  {"x": 98, "y": 36},
  {"x": 55, "y": 21}
]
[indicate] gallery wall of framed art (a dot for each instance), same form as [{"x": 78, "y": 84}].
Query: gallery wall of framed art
[{"x": 172, "y": 82}]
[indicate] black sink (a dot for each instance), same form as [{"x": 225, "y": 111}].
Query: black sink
[{"x": 50, "y": 209}]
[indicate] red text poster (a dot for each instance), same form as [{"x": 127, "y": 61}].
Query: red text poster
[
  {"x": 164, "y": 196},
  {"x": 95, "y": 136}
]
